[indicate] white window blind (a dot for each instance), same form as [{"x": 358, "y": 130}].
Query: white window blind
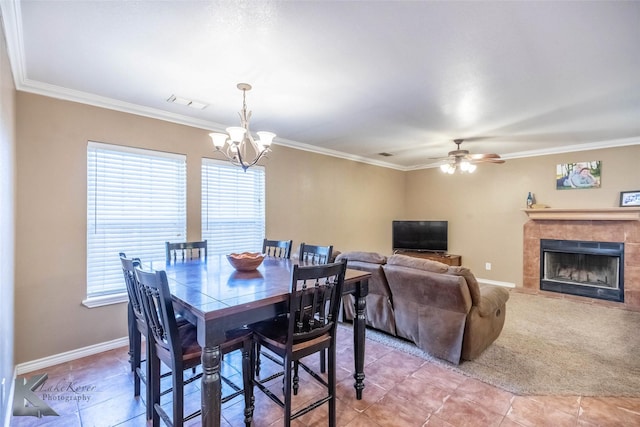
[
  {"x": 233, "y": 207},
  {"x": 136, "y": 200}
]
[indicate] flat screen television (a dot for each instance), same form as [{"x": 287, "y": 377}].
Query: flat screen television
[{"x": 421, "y": 236}]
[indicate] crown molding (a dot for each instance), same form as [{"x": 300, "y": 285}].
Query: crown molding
[
  {"x": 58, "y": 92},
  {"x": 576, "y": 147}
]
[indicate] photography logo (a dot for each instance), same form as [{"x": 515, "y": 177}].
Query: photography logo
[{"x": 25, "y": 402}]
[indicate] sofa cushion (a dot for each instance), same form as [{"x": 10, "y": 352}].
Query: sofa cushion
[
  {"x": 474, "y": 288},
  {"x": 417, "y": 263},
  {"x": 372, "y": 257}
]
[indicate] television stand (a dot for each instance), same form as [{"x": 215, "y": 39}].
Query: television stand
[{"x": 449, "y": 259}]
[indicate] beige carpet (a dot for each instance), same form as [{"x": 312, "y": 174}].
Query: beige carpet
[{"x": 552, "y": 346}]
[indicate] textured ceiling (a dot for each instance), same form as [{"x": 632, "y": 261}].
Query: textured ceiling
[{"x": 352, "y": 78}]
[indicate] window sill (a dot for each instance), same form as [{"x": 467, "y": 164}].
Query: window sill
[{"x": 94, "y": 302}]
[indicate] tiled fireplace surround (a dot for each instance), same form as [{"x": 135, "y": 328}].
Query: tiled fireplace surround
[{"x": 627, "y": 232}]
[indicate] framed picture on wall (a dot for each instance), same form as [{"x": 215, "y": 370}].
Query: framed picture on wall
[
  {"x": 630, "y": 198},
  {"x": 579, "y": 175}
]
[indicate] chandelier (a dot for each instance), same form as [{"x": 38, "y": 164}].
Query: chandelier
[
  {"x": 238, "y": 145},
  {"x": 458, "y": 164}
]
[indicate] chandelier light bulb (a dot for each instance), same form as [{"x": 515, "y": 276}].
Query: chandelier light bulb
[
  {"x": 218, "y": 139},
  {"x": 471, "y": 168},
  {"x": 266, "y": 138},
  {"x": 236, "y": 133}
]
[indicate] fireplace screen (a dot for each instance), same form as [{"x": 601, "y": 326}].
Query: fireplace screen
[
  {"x": 592, "y": 269},
  {"x": 584, "y": 269}
]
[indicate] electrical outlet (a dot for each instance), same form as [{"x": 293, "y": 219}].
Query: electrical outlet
[{"x": 487, "y": 266}]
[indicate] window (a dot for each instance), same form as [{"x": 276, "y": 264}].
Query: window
[
  {"x": 136, "y": 200},
  {"x": 232, "y": 207}
]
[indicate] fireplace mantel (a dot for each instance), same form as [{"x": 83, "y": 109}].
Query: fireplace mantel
[{"x": 598, "y": 214}]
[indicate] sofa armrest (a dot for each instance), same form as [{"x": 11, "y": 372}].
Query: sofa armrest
[{"x": 492, "y": 298}]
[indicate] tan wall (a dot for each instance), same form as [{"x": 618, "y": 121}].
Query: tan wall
[
  {"x": 326, "y": 200},
  {"x": 7, "y": 226},
  {"x": 310, "y": 197},
  {"x": 484, "y": 209}
]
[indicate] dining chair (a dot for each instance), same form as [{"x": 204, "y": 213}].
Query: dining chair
[
  {"x": 177, "y": 347},
  {"x": 138, "y": 328},
  {"x": 309, "y": 327},
  {"x": 188, "y": 250},
  {"x": 313, "y": 254},
  {"x": 277, "y": 248},
  {"x": 136, "y": 324}
]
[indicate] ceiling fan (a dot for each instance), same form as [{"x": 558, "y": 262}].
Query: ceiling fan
[{"x": 464, "y": 161}]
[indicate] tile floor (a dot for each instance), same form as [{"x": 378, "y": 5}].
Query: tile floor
[{"x": 401, "y": 390}]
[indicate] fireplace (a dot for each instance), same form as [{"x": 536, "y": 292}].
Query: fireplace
[
  {"x": 589, "y": 269},
  {"x": 585, "y": 225}
]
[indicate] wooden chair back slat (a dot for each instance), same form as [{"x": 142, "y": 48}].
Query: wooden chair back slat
[
  {"x": 277, "y": 248},
  {"x": 128, "y": 270},
  {"x": 158, "y": 308},
  {"x": 314, "y": 300},
  {"x": 314, "y": 254},
  {"x": 187, "y": 250}
]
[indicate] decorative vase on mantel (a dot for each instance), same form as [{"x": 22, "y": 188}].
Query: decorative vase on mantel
[{"x": 530, "y": 200}]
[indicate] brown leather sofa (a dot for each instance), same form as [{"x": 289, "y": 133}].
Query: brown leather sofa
[{"x": 442, "y": 309}]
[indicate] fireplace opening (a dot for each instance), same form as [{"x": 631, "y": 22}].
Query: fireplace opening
[{"x": 589, "y": 269}]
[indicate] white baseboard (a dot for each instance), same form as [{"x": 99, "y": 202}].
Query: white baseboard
[
  {"x": 56, "y": 359},
  {"x": 496, "y": 283}
]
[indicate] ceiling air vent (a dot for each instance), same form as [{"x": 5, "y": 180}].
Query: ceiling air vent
[
  {"x": 187, "y": 102},
  {"x": 385, "y": 154}
]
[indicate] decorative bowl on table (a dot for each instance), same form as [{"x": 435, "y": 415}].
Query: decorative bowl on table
[{"x": 245, "y": 261}]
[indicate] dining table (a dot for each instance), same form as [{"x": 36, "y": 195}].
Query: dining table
[{"x": 216, "y": 298}]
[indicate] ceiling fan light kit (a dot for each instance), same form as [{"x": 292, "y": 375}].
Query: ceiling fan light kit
[
  {"x": 462, "y": 161},
  {"x": 463, "y": 166},
  {"x": 238, "y": 145}
]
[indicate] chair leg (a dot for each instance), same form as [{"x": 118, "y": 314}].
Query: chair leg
[
  {"x": 178, "y": 396},
  {"x": 131, "y": 326},
  {"x": 136, "y": 349},
  {"x": 287, "y": 392},
  {"x": 296, "y": 378},
  {"x": 248, "y": 361},
  {"x": 332, "y": 385},
  {"x": 149, "y": 389},
  {"x": 257, "y": 360},
  {"x": 153, "y": 382},
  {"x": 323, "y": 362}
]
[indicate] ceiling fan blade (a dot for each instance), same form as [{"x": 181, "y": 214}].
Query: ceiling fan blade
[
  {"x": 484, "y": 156},
  {"x": 487, "y": 160},
  {"x": 460, "y": 156}
]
